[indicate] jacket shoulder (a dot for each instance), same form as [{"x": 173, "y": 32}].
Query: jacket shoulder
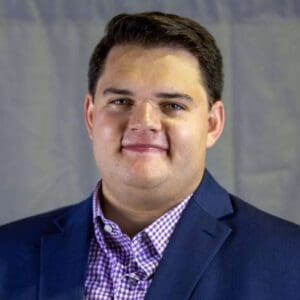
[
  {"x": 264, "y": 230},
  {"x": 31, "y": 228},
  {"x": 249, "y": 213},
  {"x": 21, "y": 248}
]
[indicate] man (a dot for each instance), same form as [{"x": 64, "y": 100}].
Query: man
[{"x": 157, "y": 226}]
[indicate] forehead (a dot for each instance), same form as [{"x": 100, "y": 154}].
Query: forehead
[{"x": 157, "y": 67}]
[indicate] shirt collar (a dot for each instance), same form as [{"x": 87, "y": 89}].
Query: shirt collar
[
  {"x": 161, "y": 229},
  {"x": 159, "y": 232}
]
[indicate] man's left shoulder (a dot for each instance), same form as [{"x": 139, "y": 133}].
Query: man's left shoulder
[{"x": 264, "y": 228}]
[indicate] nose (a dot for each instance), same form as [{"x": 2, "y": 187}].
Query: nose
[{"x": 145, "y": 116}]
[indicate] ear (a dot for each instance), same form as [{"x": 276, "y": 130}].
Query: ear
[
  {"x": 88, "y": 114},
  {"x": 216, "y": 121}
]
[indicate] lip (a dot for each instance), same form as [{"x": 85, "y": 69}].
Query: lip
[{"x": 142, "y": 148}]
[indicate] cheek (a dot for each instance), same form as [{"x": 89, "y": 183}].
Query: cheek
[
  {"x": 189, "y": 140},
  {"x": 106, "y": 128}
]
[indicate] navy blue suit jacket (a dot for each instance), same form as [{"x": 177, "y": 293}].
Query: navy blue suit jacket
[{"x": 222, "y": 248}]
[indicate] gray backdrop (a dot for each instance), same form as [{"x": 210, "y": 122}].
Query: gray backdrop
[{"x": 45, "y": 156}]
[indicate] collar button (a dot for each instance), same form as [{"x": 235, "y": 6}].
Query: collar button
[{"x": 108, "y": 228}]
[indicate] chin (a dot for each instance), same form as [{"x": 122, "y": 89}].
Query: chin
[{"x": 144, "y": 182}]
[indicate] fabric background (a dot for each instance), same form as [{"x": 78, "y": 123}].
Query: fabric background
[{"x": 45, "y": 155}]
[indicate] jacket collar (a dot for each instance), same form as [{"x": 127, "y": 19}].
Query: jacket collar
[
  {"x": 212, "y": 197},
  {"x": 196, "y": 241}
]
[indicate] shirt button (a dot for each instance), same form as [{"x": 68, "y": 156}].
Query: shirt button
[
  {"x": 108, "y": 228},
  {"x": 131, "y": 280}
]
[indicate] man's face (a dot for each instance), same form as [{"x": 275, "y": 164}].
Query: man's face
[{"x": 149, "y": 123}]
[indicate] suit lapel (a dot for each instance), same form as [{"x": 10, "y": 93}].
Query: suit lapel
[
  {"x": 64, "y": 254},
  {"x": 197, "y": 239}
]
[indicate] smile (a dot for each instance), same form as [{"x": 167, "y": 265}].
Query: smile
[{"x": 144, "y": 148}]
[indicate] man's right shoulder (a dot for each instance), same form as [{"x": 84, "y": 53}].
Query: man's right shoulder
[
  {"x": 22, "y": 246},
  {"x": 31, "y": 228}
]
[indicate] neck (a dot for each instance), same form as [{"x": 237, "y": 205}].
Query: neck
[
  {"x": 130, "y": 220},
  {"x": 133, "y": 210}
]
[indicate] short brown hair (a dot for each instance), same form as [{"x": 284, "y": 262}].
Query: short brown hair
[{"x": 156, "y": 29}]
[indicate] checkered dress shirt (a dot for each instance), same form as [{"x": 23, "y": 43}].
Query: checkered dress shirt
[{"x": 122, "y": 268}]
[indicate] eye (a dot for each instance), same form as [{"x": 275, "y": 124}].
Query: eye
[
  {"x": 121, "y": 102},
  {"x": 173, "y": 107}
]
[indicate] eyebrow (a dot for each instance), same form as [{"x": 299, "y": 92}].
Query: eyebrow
[
  {"x": 112, "y": 90},
  {"x": 165, "y": 95},
  {"x": 174, "y": 96}
]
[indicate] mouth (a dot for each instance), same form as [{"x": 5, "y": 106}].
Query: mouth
[{"x": 144, "y": 148}]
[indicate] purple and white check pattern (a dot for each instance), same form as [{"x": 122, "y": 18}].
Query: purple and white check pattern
[{"x": 122, "y": 268}]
